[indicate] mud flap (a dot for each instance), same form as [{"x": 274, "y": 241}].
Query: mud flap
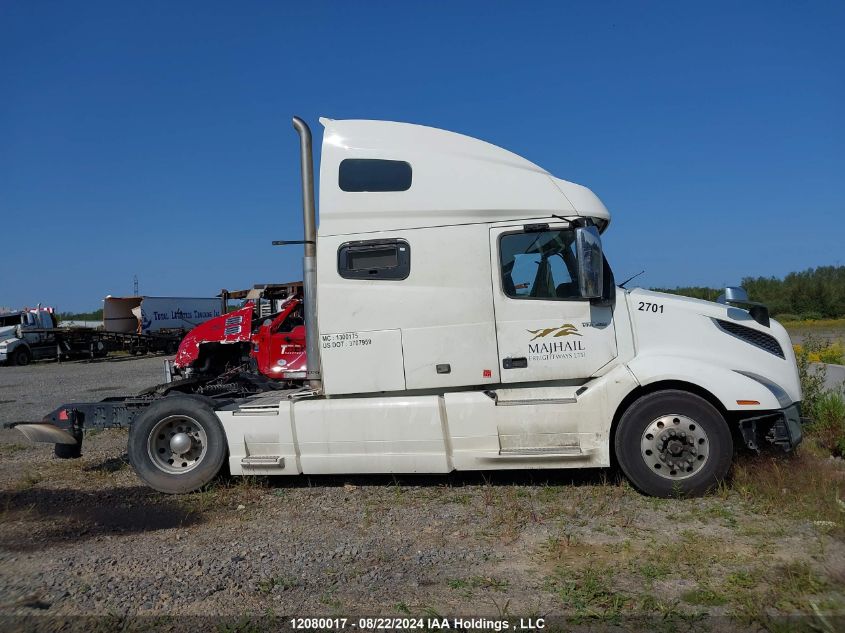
[{"x": 48, "y": 433}]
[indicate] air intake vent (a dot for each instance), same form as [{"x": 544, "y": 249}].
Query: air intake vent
[{"x": 750, "y": 335}]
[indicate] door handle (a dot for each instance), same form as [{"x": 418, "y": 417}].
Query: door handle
[{"x": 515, "y": 363}]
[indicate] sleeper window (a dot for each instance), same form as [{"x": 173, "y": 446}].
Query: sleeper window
[
  {"x": 374, "y": 259},
  {"x": 369, "y": 174}
]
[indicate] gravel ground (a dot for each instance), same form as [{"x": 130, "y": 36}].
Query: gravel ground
[
  {"x": 85, "y": 537},
  {"x": 27, "y": 393}
]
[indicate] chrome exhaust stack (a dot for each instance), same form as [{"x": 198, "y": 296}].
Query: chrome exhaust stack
[{"x": 309, "y": 261}]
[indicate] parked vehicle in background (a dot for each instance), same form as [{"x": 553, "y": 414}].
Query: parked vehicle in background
[
  {"x": 21, "y": 338},
  {"x": 271, "y": 343},
  {"x": 151, "y": 315},
  {"x": 138, "y": 325},
  {"x": 256, "y": 348}
]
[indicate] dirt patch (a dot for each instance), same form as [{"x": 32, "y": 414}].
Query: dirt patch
[
  {"x": 40, "y": 515},
  {"x": 84, "y": 537}
]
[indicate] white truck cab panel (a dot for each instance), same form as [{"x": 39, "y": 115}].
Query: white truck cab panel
[
  {"x": 440, "y": 315},
  {"x": 455, "y": 180},
  {"x": 371, "y": 435}
]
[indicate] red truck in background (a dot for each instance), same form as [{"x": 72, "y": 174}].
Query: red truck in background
[{"x": 273, "y": 346}]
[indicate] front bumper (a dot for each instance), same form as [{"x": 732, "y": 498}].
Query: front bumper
[{"x": 781, "y": 428}]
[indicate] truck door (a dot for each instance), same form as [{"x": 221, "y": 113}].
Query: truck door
[
  {"x": 30, "y": 321},
  {"x": 545, "y": 330},
  {"x": 281, "y": 344}
]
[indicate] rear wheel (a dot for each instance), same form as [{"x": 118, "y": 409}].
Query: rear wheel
[
  {"x": 673, "y": 443},
  {"x": 177, "y": 445}
]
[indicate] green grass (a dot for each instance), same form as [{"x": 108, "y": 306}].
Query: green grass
[
  {"x": 282, "y": 582},
  {"x": 805, "y": 487},
  {"x": 589, "y": 593},
  {"x": 11, "y": 449},
  {"x": 683, "y": 559},
  {"x": 478, "y": 582},
  {"x": 742, "y": 579},
  {"x": 30, "y": 479},
  {"x": 652, "y": 571},
  {"x": 704, "y": 596},
  {"x": 828, "y": 426},
  {"x": 813, "y": 324}
]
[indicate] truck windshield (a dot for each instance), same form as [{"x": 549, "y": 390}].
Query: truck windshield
[
  {"x": 539, "y": 265},
  {"x": 10, "y": 319}
]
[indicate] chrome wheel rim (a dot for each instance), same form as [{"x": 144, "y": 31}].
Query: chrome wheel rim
[
  {"x": 177, "y": 444},
  {"x": 675, "y": 447}
]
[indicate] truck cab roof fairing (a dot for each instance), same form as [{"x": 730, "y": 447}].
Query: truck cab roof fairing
[{"x": 456, "y": 179}]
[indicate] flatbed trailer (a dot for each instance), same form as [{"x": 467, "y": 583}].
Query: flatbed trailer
[{"x": 80, "y": 341}]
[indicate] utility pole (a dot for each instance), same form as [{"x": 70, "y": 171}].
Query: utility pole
[{"x": 135, "y": 286}]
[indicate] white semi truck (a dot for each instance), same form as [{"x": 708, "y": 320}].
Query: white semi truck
[
  {"x": 24, "y": 336},
  {"x": 460, "y": 315}
]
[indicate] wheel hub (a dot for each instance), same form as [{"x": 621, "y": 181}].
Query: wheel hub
[
  {"x": 675, "y": 446},
  {"x": 177, "y": 444},
  {"x": 181, "y": 443}
]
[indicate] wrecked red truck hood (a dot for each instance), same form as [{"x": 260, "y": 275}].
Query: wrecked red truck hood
[{"x": 233, "y": 327}]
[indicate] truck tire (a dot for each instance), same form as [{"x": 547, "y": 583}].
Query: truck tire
[
  {"x": 21, "y": 356},
  {"x": 177, "y": 445},
  {"x": 673, "y": 443}
]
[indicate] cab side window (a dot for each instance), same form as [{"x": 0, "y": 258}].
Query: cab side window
[{"x": 539, "y": 265}]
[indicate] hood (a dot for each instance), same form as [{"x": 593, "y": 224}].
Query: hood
[
  {"x": 719, "y": 334},
  {"x": 701, "y": 306},
  {"x": 8, "y": 332},
  {"x": 710, "y": 309},
  {"x": 232, "y": 327}
]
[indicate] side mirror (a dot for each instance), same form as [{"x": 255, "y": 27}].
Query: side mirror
[
  {"x": 590, "y": 261},
  {"x": 736, "y": 295},
  {"x": 733, "y": 294}
]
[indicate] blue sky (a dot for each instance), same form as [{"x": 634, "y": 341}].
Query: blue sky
[{"x": 154, "y": 138}]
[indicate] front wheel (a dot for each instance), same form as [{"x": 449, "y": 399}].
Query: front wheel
[
  {"x": 673, "y": 443},
  {"x": 177, "y": 445},
  {"x": 21, "y": 356}
]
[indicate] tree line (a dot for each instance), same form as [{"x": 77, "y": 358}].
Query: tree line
[
  {"x": 815, "y": 293},
  {"x": 96, "y": 315}
]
